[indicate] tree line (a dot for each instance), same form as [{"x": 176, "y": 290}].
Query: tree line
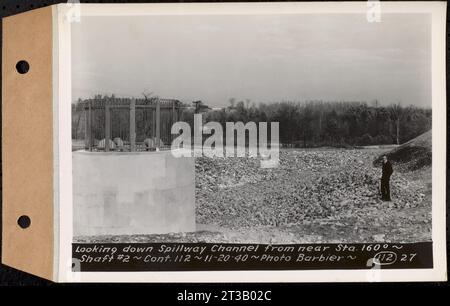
[
  {"x": 301, "y": 124},
  {"x": 319, "y": 123}
]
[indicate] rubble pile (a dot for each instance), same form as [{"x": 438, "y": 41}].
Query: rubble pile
[{"x": 307, "y": 185}]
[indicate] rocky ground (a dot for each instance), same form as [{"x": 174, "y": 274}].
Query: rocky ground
[{"x": 313, "y": 196}]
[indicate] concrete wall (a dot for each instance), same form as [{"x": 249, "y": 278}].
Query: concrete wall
[{"x": 123, "y": 193}]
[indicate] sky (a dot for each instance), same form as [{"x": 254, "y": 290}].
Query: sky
[{"x": 264, "y": 58}]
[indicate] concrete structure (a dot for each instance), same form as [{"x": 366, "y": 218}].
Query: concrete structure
[{"x": 125, "y": 193}]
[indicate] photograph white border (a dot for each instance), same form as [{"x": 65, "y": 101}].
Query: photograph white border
[{"x": 63, "y": 166}]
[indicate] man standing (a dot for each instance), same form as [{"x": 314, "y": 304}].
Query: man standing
[{"x": 385, "y": 176}]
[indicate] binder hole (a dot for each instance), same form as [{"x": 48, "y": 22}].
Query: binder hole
[
  {"x": 24, "y": 221},
  {"x": 22, "y": 67}
]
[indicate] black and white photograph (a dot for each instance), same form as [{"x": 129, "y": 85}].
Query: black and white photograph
[{"x": 255, "y": 141}]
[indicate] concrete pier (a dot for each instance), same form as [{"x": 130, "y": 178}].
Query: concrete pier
[{"x": 126, "y": 193}]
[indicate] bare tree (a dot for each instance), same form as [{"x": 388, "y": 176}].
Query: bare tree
[
  {"x": 397, "y": 113},
  {"x": 247, "y": 103},
  {"x": 232, "y": 102},
  {"x": 375, "y": 103},
  {"x": 149, "y": 95}
]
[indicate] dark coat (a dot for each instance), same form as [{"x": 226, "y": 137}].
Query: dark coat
[{"x": 387, "y": 170}]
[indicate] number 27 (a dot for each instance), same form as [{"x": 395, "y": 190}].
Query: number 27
[{"x": 408, "y": 257}]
